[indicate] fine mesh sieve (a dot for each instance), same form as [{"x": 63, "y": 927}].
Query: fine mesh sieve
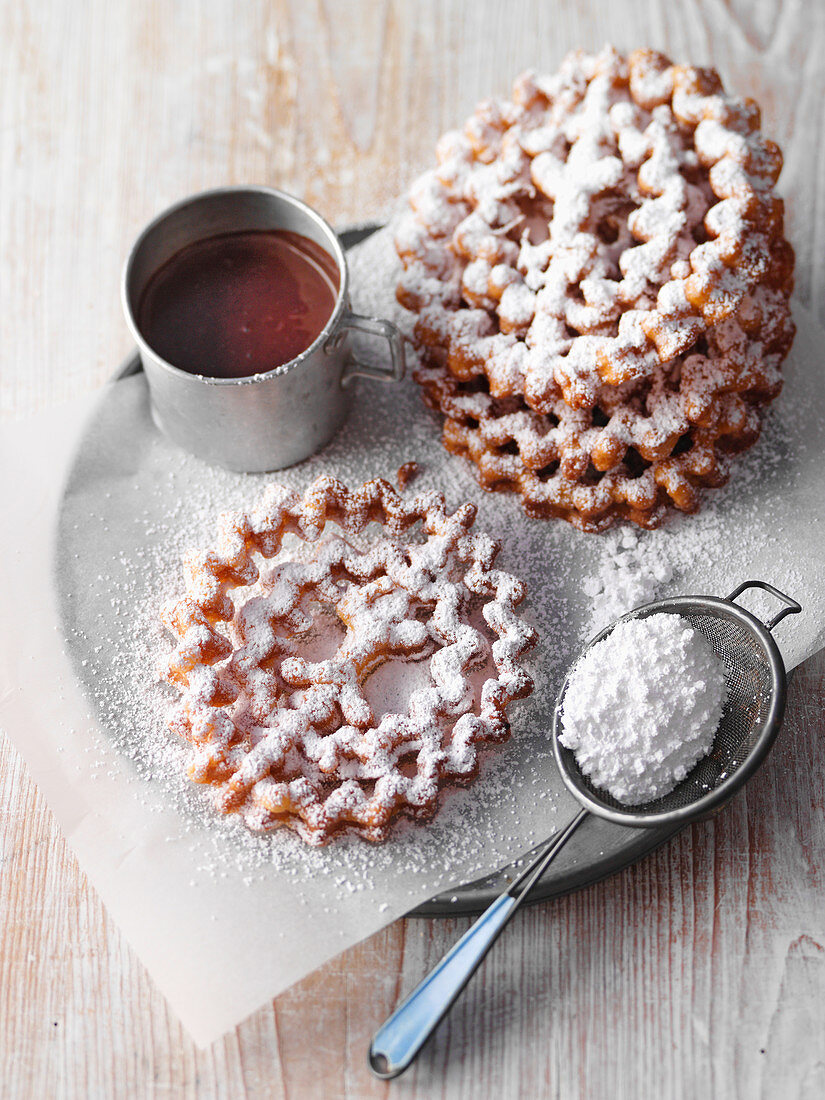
[
  {"x": 749, "y": 725},
  {"x": 750, "y": 722}
]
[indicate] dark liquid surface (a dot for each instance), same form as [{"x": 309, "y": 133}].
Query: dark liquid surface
[{"x": 240, "y": 303}]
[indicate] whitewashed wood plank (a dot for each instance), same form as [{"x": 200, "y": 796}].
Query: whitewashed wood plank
[{"x": 697, "y": 972}]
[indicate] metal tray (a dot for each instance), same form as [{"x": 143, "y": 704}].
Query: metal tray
[{"x": 598, "y": 849}]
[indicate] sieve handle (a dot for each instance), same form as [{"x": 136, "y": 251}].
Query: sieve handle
[
  {"x": 399, "y": 1040},
  {"x": 791, "y": 606}
]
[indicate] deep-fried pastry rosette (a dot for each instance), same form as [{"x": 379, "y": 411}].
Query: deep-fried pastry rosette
[
  {"x": 289, "y": 739},
  {"x": 645, "y": 446},
  {"x": 592, "y": 234}
]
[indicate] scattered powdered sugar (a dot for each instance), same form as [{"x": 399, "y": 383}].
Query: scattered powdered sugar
[
  {"x": 643, "y": 705},
  {"x": 320, "y": 758},
  {"x": 127, "y": 535},
  {"x": 630, "y": 573}
]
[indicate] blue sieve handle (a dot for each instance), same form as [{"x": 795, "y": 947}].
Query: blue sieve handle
[{"x": 399, "y": 1040}]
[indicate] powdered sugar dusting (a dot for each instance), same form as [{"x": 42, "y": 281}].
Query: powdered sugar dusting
[
  {"x": 135, "y": 537},
  {"x": 709, "y": 553},
  {"x": 631, "y": 572},
  {"x": 135, "y": 505},
  {"x": 288, "y": 740},
  {"x": 600, "y": 287}
]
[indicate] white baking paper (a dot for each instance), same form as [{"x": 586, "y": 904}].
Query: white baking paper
[{"x": 225, "y": 922}]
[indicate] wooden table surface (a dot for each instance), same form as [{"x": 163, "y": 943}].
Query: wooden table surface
[{"x": 699, "y": 972}]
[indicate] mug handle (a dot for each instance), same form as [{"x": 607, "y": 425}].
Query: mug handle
[{"x": 373, "y": 326}]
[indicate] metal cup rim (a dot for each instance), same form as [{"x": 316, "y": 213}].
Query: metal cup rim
[{"x": 237, "y": 189}]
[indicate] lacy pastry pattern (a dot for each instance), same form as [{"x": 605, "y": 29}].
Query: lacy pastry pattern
[
  {"x": 606, "y": 242},
  {"x": 286, "y": 740}
]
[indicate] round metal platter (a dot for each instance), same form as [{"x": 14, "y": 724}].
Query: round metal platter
[{"x": 598, "y": 849}]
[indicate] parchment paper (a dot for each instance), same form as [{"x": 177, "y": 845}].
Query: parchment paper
[{"x": 223, "y": 921}]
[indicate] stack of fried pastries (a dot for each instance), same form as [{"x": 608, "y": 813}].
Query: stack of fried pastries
[
  {"x": 288, "y": 739},
  {"x": 600, "y": 283}
]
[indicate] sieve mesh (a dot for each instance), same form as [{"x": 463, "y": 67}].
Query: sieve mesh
[{"x": 756, "y": 685}]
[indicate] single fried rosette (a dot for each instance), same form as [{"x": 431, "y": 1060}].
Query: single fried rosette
[{"x": 295, "y": 640}]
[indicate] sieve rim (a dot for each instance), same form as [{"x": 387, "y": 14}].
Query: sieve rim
[{"x": 572, "y": 775}]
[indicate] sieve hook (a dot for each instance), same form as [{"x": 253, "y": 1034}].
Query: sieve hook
[{"x": 791, "y": 606}]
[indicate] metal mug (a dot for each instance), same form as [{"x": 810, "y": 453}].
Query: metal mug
[{"x": 264, "y": 421}]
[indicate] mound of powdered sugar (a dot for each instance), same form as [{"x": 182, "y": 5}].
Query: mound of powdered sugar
[{"x": 642, "y": 707}]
